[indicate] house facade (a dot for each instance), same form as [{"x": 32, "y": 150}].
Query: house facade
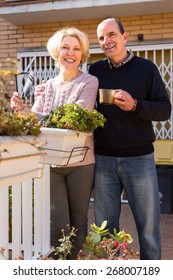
[{"x": 25, "y": 27}]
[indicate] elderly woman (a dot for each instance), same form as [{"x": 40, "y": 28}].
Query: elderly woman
[{"x": 70, "y": 186}]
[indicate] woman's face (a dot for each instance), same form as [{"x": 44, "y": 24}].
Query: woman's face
[{"x": 70, "y": 54}]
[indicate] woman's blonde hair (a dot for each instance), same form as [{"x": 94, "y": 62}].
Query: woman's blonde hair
[{"x": 54, "y": 43}]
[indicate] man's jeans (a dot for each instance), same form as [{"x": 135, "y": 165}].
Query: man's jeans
[{"x": 138, "y": 177}]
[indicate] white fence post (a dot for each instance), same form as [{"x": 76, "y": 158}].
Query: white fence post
[
  {"x": 16, "y": 220},
  {"x": 4, "y": 219},
  {"x": 37, "y": 218},
  {"x": 27, "y": 233},
  {"x": 30, "y": 224},
  {"x": 46, "y": 210}
]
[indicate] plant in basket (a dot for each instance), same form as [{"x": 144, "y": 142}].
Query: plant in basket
[
  {"x": 20, "y": 140},
  {"x": 66, "y": 129},
  {"x": 13, "y": 123},
  {"x": 75, "y": 117}
]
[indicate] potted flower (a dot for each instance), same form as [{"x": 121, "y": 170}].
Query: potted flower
[
  {"x": 100, "y": 244},
  {"x": 66, "y": 130},
  {"x": 20, "y": 143}
]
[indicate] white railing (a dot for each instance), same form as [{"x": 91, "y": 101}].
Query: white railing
[{"x": 25, "y": 213}]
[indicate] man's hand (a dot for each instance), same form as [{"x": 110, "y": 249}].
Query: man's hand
[{"x": 123, "y": 100}]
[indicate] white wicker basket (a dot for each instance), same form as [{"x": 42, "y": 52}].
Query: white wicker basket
[
  {"x": 20, "y": 158},
  {"x": 64, "y": 146}
]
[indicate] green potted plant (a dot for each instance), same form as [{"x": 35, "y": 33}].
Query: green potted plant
[
  {"x": 100, "y": 244},
  {"x": 20, "y": 139},
  {"x": 66, "y": 130}
]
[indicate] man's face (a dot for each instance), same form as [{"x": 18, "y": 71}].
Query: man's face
[{"x": 112, "y": 42}]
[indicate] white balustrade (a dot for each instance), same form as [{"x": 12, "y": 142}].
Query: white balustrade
[{"x": 27, "y": 216}]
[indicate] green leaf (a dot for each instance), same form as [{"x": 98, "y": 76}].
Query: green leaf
[
  {"x": 104, "y": 224},
  {"x": 73, "y": 116},
  {"x": 96, "y": 237}
]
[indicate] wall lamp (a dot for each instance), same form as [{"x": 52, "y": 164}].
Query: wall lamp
[{"x": 140, "y": 37}]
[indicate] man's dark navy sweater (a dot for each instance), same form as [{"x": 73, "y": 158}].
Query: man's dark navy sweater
[{"x": 130, "y": 133}]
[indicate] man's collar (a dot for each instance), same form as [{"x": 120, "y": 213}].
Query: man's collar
[{"x": 114, "y": 65}]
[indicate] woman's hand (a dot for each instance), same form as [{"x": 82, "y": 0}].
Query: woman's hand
[
  {"x": 18, "y": 104},
  {"x": 39, "y": 89},
  {"x": 16, "y": 101}
]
